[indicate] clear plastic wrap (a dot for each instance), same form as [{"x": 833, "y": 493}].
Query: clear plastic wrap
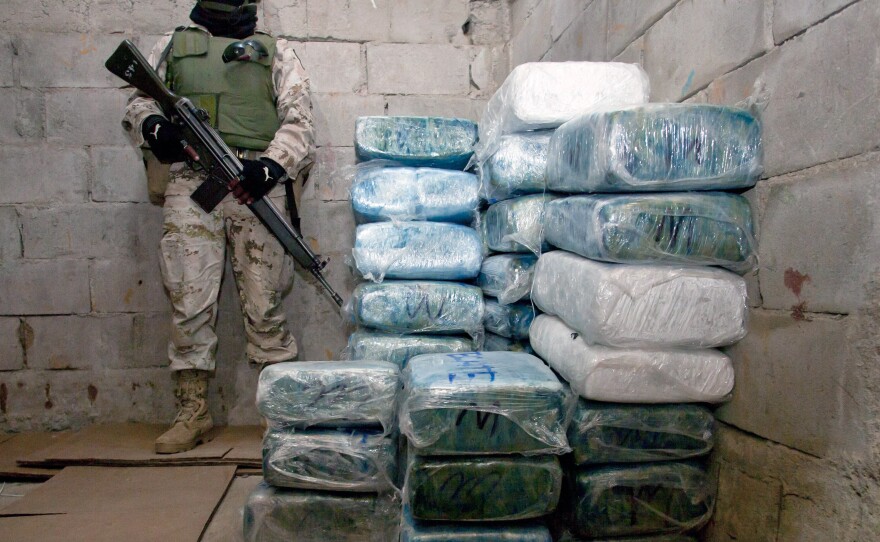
[
  {"x": 511, "y": 320},
  {"x": 416, "y": 141},
  {"x": 279, "y": 515},
  {"x": 615, "y": 433},
  {"x": 497, "y": 343},
  {"x": 330, "y": 459},
  {"x": 656, "y": 147},
  {"x": 398, "y": 348},
  {"x": 645, "y": 306},
  {"x": 418, "y": 307},
  {"x": 507, "y": 277},
  {"x": 568, "y": 537},
  {"x": 484, "y": 403},
  {"x": 403, "y": 193},
  {"x": 538, "y": 95},
  {"x": 417, "y": 250},
  {"x": 710, "y": 228},
  {"x": 499, "y": 488},
  {"x": 419, "y": 531},
  {"x": 482, "y": 230},
  {"x": 632, "y": 375},
  {"x": 652, "y": 498},
  {"x": 329, "y": 393},
  {"x": 517, "y": 225},
  {"x": 518, "y": 167}
]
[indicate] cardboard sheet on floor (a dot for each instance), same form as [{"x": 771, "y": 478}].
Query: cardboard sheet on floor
[
  {"x": 118, "y": 503},
  {"x": 225, "y": 526},
  {"x": 23, "y": 445}
]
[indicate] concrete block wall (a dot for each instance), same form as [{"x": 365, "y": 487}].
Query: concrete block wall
[
  {"x": 83, "y": 314},
  {"x": 799, "y": 447}
]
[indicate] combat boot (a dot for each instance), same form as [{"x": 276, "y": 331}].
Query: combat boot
[{"x": 193, "y": 422}]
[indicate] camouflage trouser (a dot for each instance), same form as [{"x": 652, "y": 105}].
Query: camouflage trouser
[{"x": 193, "y": 257}]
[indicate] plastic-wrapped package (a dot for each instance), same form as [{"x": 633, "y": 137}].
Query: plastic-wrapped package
[
  {"x": 418, "y": 531},
  {"x": 518, "y": 167},
  {"x": 418, "y": 307},
  {"x": 656, "y": 147},
  {"x": 644, "y": 306},
  {"x": 330, "y": 459},
  {"x": 568, "y": 537},
  {"x": 398, "y": 348},
  {"x": 711, "y": 228},
  {"x": 482, "y": 230},
  {"x": 403, "y": 193},
  {"x": 507, "y": 277},
  {"x": 511, "y": 321},
  {"x": 416, "y": 141},
  {"x": 417, "y": 250},
  {"x": 615, "y": 433},
  {"x": 278, "y": 515},
  {"x": 539, "y": 95},
  {"x": 517, "y": 225},
  {"x": 497, "y": 343},
  {"x": 329, "y": 393},
  {"x": 632, "y": 375},
  {"x": 499, "y": 488},
  {"x": 651, "y": 498},
  {"x": 484, "y": 403}
]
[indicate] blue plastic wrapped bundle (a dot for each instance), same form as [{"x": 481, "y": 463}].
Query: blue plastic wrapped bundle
[
  {"x": 482, "y": 230},
  {"x": 650, "y": 498},
  {"x": 418, "y": 307},
  {"x": 419, "y": 531},
  {"x": 278, "y": 515},
  {"x": 511, "y": 321},
  {"x": 483, "y": 403},
  {"x": 417, "y": 250},
  {"x": 500, "y": 488},
  {"x": 497, "y": 343},
  {"x": 402, "y": 193},
  {"x": 518, "y": 167},
  {"x": 712, "y": 228},
  {"x": 516, "y": 225},
  {"x": 330, "y": 459},
  {"x": 615, "y": 433},
  {"x": 416, "y": 141},
  {"x": 329, "y": 393},
  {"x": 507, "y": 277},
  {"x": 398, "y": 348},
  {"x": 656, "y": 147}
]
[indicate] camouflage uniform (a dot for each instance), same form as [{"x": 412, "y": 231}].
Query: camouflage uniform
[{"x": 193, "y": 242}]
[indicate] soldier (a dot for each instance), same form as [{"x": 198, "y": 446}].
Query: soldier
[{"x": 259, "y": 101}]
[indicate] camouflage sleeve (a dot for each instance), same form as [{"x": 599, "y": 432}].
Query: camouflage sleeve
[
  {"x": 294, "y": 144},
  {"x": 140, "y": 106}
]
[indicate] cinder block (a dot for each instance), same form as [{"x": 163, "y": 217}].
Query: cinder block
[
  {"x": 331, "y": 177},
  {"x": 348, "y": 20},
  {"x": 793, "y": 16},
  {"x": 11, "y": 352},
  {"x": 10, "y": 234},
  {"x": 7, "y": 78},
  {"x": 86, "y": 117},
  {"x": 119, "y": 175},
  {"x": 633, "y": 54},
  {"x": 333, "y": 67},
  {"x": 520, "y": 11},
  {"x": 429, "y": 21},
  {"x": 24, "y": 112},
  {"x": 747, "y": 508},
  {"x": 489, "y": 67},
  {"x": 44, "y": 287},
  {"x": 531, "y": 41},
  {"x": 820, "y": 240},
  {"x": 44, "y": 174},
  {"x": 152, "y": 17},
  {"x": 417, "y": 69},
  {"x": 721, "y": 36},
  {"x": 628, "y": 19},
  {"x": 335, "y": 115},
  {"x": 831, "y": 516},
  {"x": 798, "y": 383},
  {"x": 565, "y": 12},
  {"x": 92, "y": 231},
  {"x": 819, "y": 87},
  {"x": 236, "y": 386},
  {"x": 446, "y": 106},
  {"x": 584, "y": 39},
  {"x": 328, "y": 226},
  {"x": 50, "y": 60},
  {"x": 285, "y": 17},
  {"x": 127, "y": 285},
  {"x": 489, "y": 22}
]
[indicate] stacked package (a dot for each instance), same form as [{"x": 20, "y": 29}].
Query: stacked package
[
  {"x": 484, "y": 430},
  {"x": 414, "y": 207},
  {"x": 329, "y": 453},
  {"x": 644, "y": 290}
]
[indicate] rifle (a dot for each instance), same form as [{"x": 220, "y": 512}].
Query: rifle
[{"x": 213, "y": 155}]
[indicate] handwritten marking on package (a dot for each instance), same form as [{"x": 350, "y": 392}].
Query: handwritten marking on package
[{"x": 472, "y": 364}]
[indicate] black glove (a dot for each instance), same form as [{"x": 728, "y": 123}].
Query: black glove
[
  {"x": 260, "y": 176},
  {"x": 163, "y": 138}
]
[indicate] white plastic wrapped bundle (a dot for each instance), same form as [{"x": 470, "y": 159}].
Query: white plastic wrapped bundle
[
  {"x": 417, "y": 250},
  {"x": 511, "y": 320},
  {"x": 642, "y": 305},
  {"x": 539, "y": 95},
  {"x": 403, "y": 193},
  {"x": 518, "y": 167},
  {"x": 416, "y": 141},
  {"x": 399, "y": 348},
  {"x": 329, "y": 393},
  {"x": 516, "y": 225},
  {"x": 631, "y": 375},
  {"x": 507, "y": 277},
  {"x": 710, "y": 228},
  {"x": 656, "y": 147},
  {"x": 418, "y": 307}
]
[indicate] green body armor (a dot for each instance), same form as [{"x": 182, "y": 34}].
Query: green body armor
[{"x": 238, "y": 96}]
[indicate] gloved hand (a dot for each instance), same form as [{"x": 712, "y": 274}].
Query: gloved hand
[
  {"x": 163, "y": 138},
  {"x": 260, "y": 176}
]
